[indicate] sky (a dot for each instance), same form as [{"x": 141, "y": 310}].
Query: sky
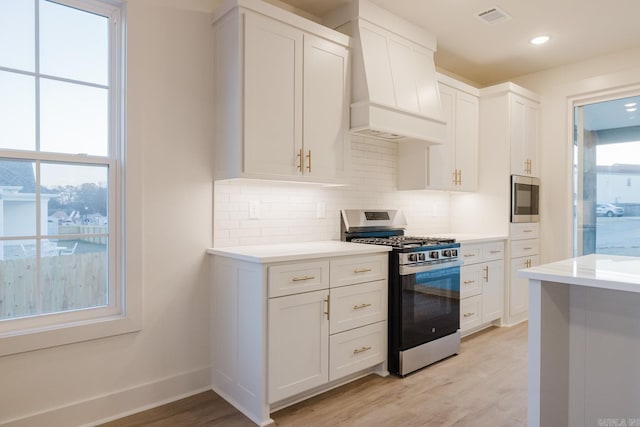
[{"x": 72, "y": 109}]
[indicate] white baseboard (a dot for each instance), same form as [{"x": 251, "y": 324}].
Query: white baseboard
[{"x": 109, "y": 407}]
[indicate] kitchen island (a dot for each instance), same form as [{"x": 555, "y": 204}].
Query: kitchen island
[{"x": 584, "y": 342}]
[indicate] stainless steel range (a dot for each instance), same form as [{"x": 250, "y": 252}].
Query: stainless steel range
[{"x": 424, "y": 288}]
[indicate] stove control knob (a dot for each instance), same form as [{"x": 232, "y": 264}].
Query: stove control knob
[
  {"x": 413, "y": 257},
  {"x": 434, "y": 255},
  {"x": 446, "y": 253},
  {"x": 422, "y": 256},
  {"x": 454, "y": 252}
]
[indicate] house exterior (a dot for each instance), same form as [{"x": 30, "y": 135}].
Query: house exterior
[
  {"x": 18, "y": 203},
  {"x": 618, "y": 184}
]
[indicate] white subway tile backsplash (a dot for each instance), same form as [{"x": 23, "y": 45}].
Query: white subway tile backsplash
[{"x": 288, "y": 211}]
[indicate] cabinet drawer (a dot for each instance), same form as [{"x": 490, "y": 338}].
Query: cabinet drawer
[
  {"x": 520, "y": 248},
  {"x": 357, "y": 305},
  {"x": 470, "y": 280},
  {"x": 527, "y": 230},
  {"x": 492, "y": 251},
  {"x": 357, "y": 349},
  {"x": 471, "y": 254},
  {"x": 294, "y": 278},
  {"x": 358, "y": 269},
  {"x": 470, "y": 312}
]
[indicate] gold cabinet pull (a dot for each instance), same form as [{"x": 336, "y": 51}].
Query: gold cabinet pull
[
  {"x": 527, "y": 231},
  {"x": 486, "y": 274},
  {"x": 455, "y": 177},
  {"x": 527, "y": 248},
  {"x": 362, "y": 270},
  {"x": 300, "y": 279},
  {"x": 328, "y": 301},
  {"x": 468, "y": 314},
  {"x": 496, "y": 252},
  {"x": 459, "y": 176},
  {"x": 361, "y": 350},
  {"x": 467, "y": 282},
  {"x": 360, "y": 306},
  {"x": 309, "y": 161},
  {"x": 299, "y": 156},
  {"x": 468, "y": 255}
]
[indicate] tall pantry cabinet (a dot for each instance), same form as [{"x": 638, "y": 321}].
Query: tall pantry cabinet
[
  {"x": 281, "y": 95},
  {"x": 508, "y": 144}
]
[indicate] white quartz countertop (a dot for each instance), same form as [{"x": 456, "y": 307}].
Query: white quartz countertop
[
  {"x": 296, "y": 251},
  {"x": 470, "y": 238},
  {"x": 613, "y": 272}
]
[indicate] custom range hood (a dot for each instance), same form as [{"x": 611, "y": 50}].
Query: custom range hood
[{"x": 394, "y": 91}]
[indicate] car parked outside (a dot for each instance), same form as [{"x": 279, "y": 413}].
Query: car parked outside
[{"x": 609, "y": 209}]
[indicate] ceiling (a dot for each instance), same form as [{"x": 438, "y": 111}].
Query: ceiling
[{"x": 492, "y": 53}]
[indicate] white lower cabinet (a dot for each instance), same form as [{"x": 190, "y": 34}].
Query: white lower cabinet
[
  {"x": 519, "y": 287},
  {"x": 298, "y": 343},
  {"x": 481, "y": 285},
  {"x": 524, "y": 249},
  {"x": 285, "y": 331}
]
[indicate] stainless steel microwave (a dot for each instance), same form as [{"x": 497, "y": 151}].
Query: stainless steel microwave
[{"x": 525, "y": 198}]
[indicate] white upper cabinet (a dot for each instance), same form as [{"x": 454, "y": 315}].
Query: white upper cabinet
[
  {"x": 326, "y": 112},
  {"x": 453, "y": 165},
  {"x": 524, "y": 135},
  {"x": 272, "y": 96},
  {"x": 281, "y": 97}
]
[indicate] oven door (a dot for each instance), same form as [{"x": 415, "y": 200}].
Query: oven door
[
  {"x": 430, "y": 303},
  {"x": 525, "y": 195}
]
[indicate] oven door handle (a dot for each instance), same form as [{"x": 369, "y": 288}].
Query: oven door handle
[{"x": 406, "y": 270}]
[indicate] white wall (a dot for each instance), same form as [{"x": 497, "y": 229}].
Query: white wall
[
  {"x": 169, "y": 218},
  {"x": 288, "y": 212},
  {"x": 615, "y": 72}
]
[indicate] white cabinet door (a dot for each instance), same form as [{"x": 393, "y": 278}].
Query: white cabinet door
[
  {"x": 298, "y": 344},
  {"x": 470, "y": 312},
  {"x": 470, "y": 280},
  {"x": 298, "y": 277},
  {"x": 492, "y": 290},
  {"x": 530, "y": 139},
  {"x": 358, "y": 305},
  {"x": 357, "y": 349},
  {"x": 272, "y": 97},
  {"x": 524, "y": 136},
  {"x": 518, "y": 286},
  {"x": 326, "y": 109},
  {"x": 454, "y": 164},
  {"x": 466, "y": 141},
  {"x": 441, "y": 156}
]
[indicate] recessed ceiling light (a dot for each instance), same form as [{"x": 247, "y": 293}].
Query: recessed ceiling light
[
  {"x": 630, "y": 104},
  {"x": 632, "y": 109},
  {"x": 539, "y": 40}
]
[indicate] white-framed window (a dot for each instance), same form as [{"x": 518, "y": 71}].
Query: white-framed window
[{"x": 61, "y": 173}]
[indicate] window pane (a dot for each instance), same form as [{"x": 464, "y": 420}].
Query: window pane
[
  {"x": 17, "y": 198},
  {"x": 78, "y": 198},
  {"x": 17, "y": 278},
  {"x": 17, "y": 35},
  {"x": 74, "y": 275},
  {"x": 73, "y": 44},
  {"x": 607, "y": 156},
  {"x": 74, "y": 253},
  {"x": 17, "y": 111},
  {"x": 73, "y": 118}
]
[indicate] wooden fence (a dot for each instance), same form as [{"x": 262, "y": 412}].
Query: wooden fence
[{"x": 67, "y": 283}]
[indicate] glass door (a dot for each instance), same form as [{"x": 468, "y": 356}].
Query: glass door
[{"x": 607, "y": 177}]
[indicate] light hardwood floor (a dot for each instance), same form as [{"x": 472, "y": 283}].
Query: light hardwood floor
[{"x": 485, "y": 385}]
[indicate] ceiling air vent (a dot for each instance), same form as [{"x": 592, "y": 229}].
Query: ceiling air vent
[{"x": 493, "y": 15}]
